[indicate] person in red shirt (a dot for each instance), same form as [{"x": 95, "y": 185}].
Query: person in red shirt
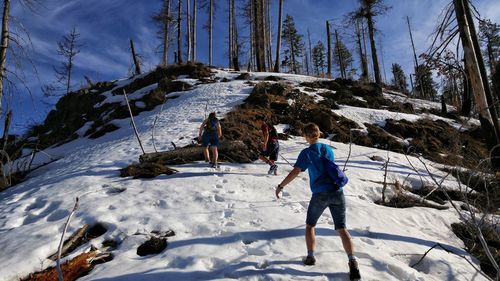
[{"x": 270, "y": 144}]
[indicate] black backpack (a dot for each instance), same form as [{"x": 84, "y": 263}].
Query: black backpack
[
  {"x": 273, "y": 134},
  {"x": 211, "y": 125}
]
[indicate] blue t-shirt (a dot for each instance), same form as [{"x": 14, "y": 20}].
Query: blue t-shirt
[{"x": 310, "y": 159}]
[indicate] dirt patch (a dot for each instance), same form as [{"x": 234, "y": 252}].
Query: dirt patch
[
  {"x": 243, "y": 76},
  {"x": 439, "y": 142},
  {"x": 146, "y": 170}
]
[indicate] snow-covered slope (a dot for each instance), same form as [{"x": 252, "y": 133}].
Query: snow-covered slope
[{"x": 228, "y": 223}]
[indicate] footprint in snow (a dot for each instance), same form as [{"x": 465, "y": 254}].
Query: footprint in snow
[
  {"x": 219, "y": 198},
  {"x": 113, "y": 189}
]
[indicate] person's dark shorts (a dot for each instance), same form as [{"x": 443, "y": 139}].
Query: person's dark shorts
[
  {"x": 334, "y": 200},
  {"x": 209, "y": 140},
  {"x": 272, "y": 150}
]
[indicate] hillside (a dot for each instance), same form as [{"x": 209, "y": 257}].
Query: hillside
[{"x": 227, "y": 222}]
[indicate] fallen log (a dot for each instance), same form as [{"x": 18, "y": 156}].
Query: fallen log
[{"x": 234, "y": 151}]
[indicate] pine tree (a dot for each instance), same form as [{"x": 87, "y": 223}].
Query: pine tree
[
  {"x": 342, "y": 57},
  {"x": 294, "y": 47},
  {"x": 399, "y": 80},
  {"x": 425, "y": 82},
  {"x": 489, "y": 35},
  {"x": 318, "y": 58}
]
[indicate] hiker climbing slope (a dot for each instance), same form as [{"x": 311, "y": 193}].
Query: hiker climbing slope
[
  {"x": 270, "y": 144},
  {"x": 326, "y": 194},
  {"x": 209, "y": 134}
]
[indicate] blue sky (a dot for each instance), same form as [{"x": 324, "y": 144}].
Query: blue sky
[{"x": 106, "y": 26}]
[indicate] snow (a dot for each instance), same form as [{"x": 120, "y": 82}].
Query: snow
[
  {"x": 228, "y": 223},
  {"x": 378, "y": 117}
]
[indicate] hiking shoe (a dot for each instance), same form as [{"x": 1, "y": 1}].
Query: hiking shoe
[
  {"x": 309, "y": 260},
  {"x": 354, "y": 270},
  {"x": 271, "y": 169}
]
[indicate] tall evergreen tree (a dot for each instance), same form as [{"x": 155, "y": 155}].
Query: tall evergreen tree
[
  {"x": 399, "y": 80},
  {"x": 425, "y": 82},
  {"x": 318, "y": 57},
  {"x": 294, "y": 47}
]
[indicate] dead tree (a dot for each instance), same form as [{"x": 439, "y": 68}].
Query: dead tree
[
  {"x": 362, "y": 56},
  {"x": 188, "y": 154},
  {"x": 259, "y": 34},
  {"x": 486, "y": 111},
  {"x": 233, "y": 38},
  {"x": 68, "y": 48},
  {"x": 179, "y": 35},
  {"x": 193, "y": 41},
  {"x": 329, "y": 55},
  {"x": 188, "y": 28},
  {"x": 6, "y": 127},
  {"x": 372, "y": 8},
  {"x": 163, "y": 20},
  {"x": 310, "y": 46},
  {"x": 135, "y": 58},
  {"x": 278, "y": 40},
  {"x": 415, "y": 60},
  {"x": 210, "y": 27},
  {"x": 4, "y": 45}
]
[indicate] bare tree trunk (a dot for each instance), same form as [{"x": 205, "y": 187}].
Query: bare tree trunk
[
  {"x": 415, "y": 60},
  {"x": 364, "y": 65},
  {"x": 278, "y": 41},
  {"x": 252, "y": 37},
  {"x": 4, "y": 46},
  {"x": 134, "y": 58},
  {"x": 210, "y": 26},
  {"x": 365, "y": 51},
  {"x": 188, "y": 27},
  {"x": 166, "y": 34},
  {"x": 474, "y": 73},
  {"x": 6, "y": 127},
  {"x": 329, "y": 55},
  {"x": 179, "y": 38},
  {"x": 235, "y": 48},
  {"x": 70, "y": 68},
  {"x": 482, "y": 70},
  {"x": 467, "y": 94},
  {"x": 382, "y": 57},
  {"x": 193, "y": 47},
  {"x": 341, "y": 63},
  {"x": 269, "y": 35},
  {"x": 230, "y": 32},
  {"x": 259, "y": 34},
  {"x": 371, "y": 33},
  {"x": 310, "y": 47}
]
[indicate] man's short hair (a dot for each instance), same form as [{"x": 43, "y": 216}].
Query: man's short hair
[{"x": 312, "y": 131}]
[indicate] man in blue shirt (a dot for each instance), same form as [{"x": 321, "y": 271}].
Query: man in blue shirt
[{"x": 325, "y": 194}]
